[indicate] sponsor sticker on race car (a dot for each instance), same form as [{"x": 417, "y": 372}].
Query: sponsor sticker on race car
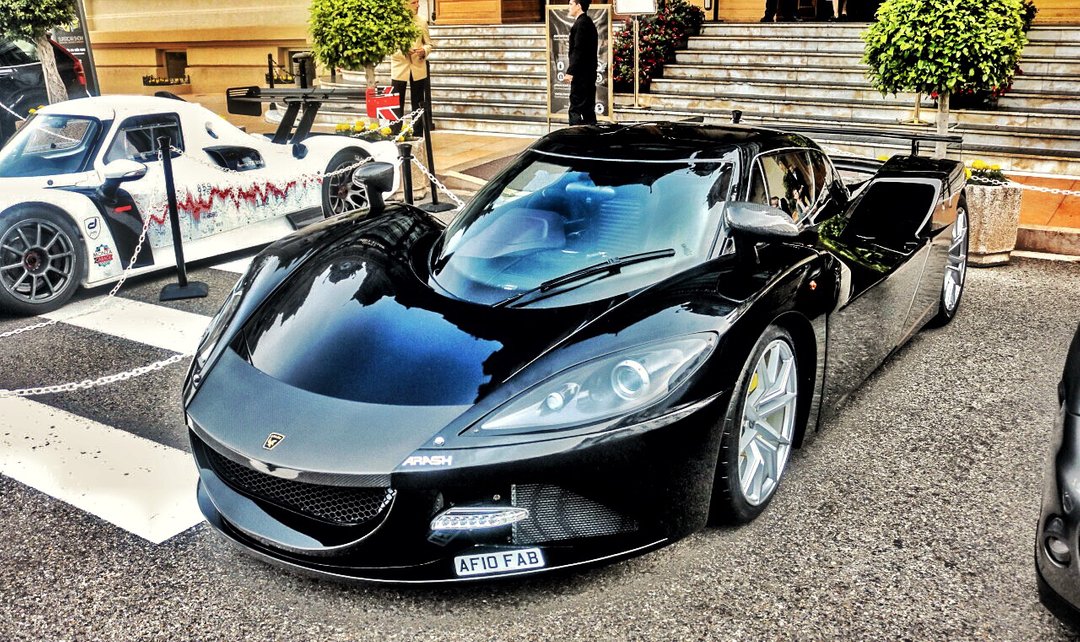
[
  {"x": 498, "y": 562},
  {"x": 103, "y": 255}
]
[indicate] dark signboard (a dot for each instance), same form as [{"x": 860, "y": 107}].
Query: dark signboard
[
  {"x": 75, "y": 38},
  {"x": 558, "y": 41}
]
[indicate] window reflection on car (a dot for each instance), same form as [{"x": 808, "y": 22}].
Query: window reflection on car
[
  {"x": 549, "y": 215},
  {"x": 50, "y": 145}
]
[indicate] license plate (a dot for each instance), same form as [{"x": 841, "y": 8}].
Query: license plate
[{"x": 498, "y": 562}]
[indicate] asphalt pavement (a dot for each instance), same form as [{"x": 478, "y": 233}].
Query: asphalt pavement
[{"x": 911, "y": 516}]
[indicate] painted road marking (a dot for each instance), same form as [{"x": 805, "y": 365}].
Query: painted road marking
[
  {"x": 139, "y": 485},
  {"x": 146, "y": 323}
]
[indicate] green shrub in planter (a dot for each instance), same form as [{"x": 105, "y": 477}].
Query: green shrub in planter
[
  {"x": 359, "y": 34},
  {"x": 944, "y": 47},
  {"x": 659, "y": 37}
]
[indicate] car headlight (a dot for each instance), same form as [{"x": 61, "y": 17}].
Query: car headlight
[
  {"x": 612, "y": 386},
  {"x": 217, "y": 327}
]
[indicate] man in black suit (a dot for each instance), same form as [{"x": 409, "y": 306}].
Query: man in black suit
[{"x": 581, "y": 70}]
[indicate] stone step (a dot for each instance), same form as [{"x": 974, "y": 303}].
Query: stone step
[
  {"x": 735, "y": 90},
  {"x": 787, "y": 30},
  {"x": 1011, "y": 158},
  {"x": 467, "y": 31},
  {"x": 774, "y": 43},
  {"x": 854, "y": 112},
  {"x": 492, "y": 41},
  {"x": 496, "y": 54},
  {"x": 451, "y": 122},
  {"x": 778, "y": 58},
  {"x": 523, "y": 97},
  {"x": 1052, "y": 49},
  {"x": 488, "y": 79},
  {"x": 1050, "y": 66},
  {"x": 756, "y": 72},
  {"x": 1038, "y": 101}
]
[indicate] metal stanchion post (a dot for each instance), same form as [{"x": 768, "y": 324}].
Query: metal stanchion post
[
  {"x": 405, "y": 149},
  {"x": 182, "y": 289},
  {"x": 434, "y": 205}
]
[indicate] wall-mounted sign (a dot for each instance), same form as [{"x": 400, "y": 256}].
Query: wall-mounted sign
[{"x": 75, "y": 37}]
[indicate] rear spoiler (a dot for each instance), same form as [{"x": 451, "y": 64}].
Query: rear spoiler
[
  {"x": 858, "y": 134},
  {"x": 247, "y": 101}
]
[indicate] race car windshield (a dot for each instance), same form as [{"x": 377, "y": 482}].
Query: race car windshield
[
  {"x": 548, "y": 216},
  {"x": 50, "y": 145}
]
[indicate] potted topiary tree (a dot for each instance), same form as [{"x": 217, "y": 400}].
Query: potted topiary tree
[
  {"x": 359, "y": 34},
  {"x": 944, "y": 47}
]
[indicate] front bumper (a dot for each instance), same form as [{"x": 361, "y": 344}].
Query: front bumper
[
  {"x": 1059, "y": 574},
  {"x": 589, "y": 502}
]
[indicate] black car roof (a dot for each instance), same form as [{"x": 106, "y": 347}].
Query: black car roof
[{"x": 663, "y": 141}]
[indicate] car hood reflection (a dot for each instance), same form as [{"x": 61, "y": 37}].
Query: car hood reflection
[{"x": 356, "y": 322}]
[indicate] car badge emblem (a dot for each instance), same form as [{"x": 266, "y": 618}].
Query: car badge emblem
[
  {"x": 93, "y": 227},
  {"x": 272, "y": 440}
]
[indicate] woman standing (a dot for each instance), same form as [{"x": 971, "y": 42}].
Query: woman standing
[{"x": 411, "y": 66}]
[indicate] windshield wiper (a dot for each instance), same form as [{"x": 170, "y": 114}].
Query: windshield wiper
[{"x": 610, "y": 266}]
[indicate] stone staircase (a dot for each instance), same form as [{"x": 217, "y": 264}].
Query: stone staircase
[{"x": 492, "y": 79}]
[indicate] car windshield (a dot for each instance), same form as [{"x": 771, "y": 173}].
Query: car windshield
[
  {"x": 548, "y": 216},
  {"x": 48, "y": 145}
]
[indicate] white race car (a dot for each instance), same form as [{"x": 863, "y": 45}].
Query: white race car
[{"x": 79, "y": 178}]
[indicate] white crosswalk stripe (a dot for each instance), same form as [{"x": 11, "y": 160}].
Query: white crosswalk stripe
[
  {"x": 146, "y": 323},
  {"x": 137, "y": 484},
  {"x": 141, "y": 486}
]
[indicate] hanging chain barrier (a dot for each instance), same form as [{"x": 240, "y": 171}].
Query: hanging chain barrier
[{"x": 159, "y": 204}]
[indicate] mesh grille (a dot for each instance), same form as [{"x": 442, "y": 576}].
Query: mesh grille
[
  {"x": 335, "y": 504},
  {"x": 557, "y": 514}
]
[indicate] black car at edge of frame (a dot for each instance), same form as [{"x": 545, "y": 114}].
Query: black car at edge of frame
[
  {"x": 621, "y": 338},
  {"x": 1057, "y": 556}
]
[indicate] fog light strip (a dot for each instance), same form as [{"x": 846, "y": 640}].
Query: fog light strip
[{"x": 471, "y": 518}]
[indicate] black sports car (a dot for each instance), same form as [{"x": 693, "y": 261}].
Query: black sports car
[
  {"x": 624, "y": 334},
  {"x": 1056, "y": 553}
]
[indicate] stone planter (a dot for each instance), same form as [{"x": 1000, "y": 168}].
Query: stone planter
[{"x": 994, "y": 216}]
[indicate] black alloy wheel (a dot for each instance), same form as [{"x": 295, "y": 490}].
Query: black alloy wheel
[{"x": 339, "y": 194}]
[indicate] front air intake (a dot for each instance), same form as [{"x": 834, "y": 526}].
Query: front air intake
[
  {"x": 340, "y": 505},
  {"x": 556, "y": 514}
]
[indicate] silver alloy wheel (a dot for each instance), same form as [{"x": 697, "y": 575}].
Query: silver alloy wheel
[
  {"x": 956, "y": 268},
  {"x": 768, "y": 422},
  {"x": 37, "y": 261},
  {"x": 342, "y": 194}
]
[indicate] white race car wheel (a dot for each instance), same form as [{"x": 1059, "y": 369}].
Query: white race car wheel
[{"x": 42, "y": 261}]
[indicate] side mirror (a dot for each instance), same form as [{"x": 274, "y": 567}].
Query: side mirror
[
  {"x": 375, "y": 178},
  {"x": 120, "y": 171},
  {"x": 761, "y": 221}
]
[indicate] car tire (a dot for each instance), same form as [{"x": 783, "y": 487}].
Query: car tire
[
  {"x": 339, "y": 195},
  {"x": 952, "y": 288},
  {"x": 755, "y": 447},
  {"x": 42, "y": 261}
]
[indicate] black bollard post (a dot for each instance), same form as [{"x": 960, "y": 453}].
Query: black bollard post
[
  {"x": 435, "y": 205},
  {"x": 182, "y": 289},
  {"x": 270, "y": 70},
  {"x": 405, "y": 150}
]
